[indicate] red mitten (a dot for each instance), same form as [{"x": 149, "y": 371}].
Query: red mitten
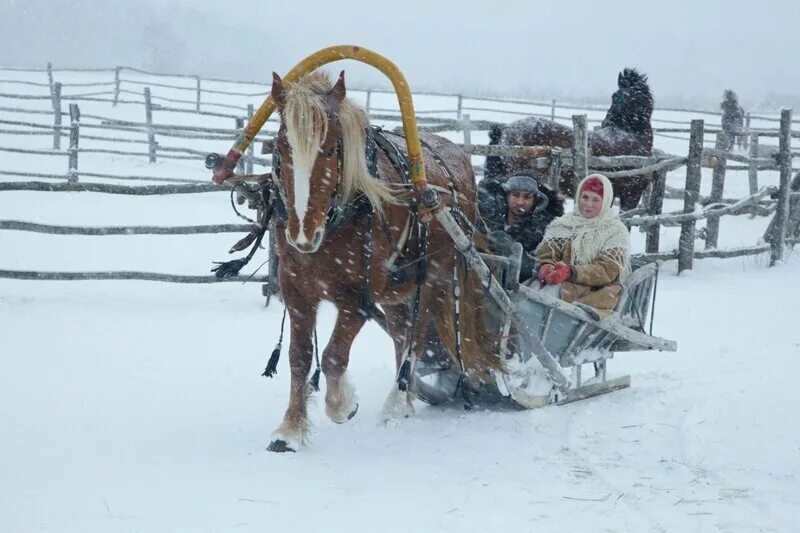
[
  {"x": 545, "y": 270},
  {"x": 561, "y": 273}
]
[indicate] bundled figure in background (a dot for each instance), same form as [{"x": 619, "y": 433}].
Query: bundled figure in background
[
  {"x": 586, "y": 254},
  {"x": 494, "y": 168},
  {"x": 518, "y": 209},
  {"x": 733, "y": 120}
]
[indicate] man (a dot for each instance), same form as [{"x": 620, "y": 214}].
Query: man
[{"x": 518, "y": 209}]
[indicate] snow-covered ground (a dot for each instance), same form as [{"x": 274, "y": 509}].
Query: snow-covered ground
[{"x": 139, "y": 406}]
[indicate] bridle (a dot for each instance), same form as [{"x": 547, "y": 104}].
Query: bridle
[{"x": 336, "y": 212}]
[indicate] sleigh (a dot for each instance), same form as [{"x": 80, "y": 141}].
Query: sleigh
[
  {"x": 544, "y": 343},
  {"x": 568, "y": 334}
]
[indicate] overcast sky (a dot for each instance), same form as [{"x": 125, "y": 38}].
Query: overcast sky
[{"x": 691, "y": 49}]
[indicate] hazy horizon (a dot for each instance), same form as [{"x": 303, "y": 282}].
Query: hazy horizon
[{"x": 571, "y": 51}]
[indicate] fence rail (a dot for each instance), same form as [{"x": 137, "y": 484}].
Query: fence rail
[{"x": 649, "y": 217}]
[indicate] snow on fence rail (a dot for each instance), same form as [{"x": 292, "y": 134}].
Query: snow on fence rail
[
  {"x": 783, "y": 229},
  {"x": 198, "y": 89},
  {"x": 649, "y": 216},
  {"x": 461, "y": 123}
]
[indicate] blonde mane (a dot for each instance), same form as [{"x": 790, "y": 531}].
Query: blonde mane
[{"x": 307, "y": 126}]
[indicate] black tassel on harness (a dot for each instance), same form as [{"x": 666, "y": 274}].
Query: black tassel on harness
[
  {"x": 229, "y": 269},
  {"x": 272, "y": 364},
  {"x": 314, "y": 381}
]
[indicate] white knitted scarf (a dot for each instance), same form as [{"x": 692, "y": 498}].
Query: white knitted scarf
[{"x": 592, "y": 236}]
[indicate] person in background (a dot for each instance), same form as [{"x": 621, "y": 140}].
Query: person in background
[
  {"x": 494, "y": 167},
  {"x": 587, "y": 253},
  {"x": 732, "y": 120}
]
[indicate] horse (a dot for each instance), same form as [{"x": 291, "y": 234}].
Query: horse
[
  {"x": 626, "y": 130},
  {"x": 375, "y": 252}
]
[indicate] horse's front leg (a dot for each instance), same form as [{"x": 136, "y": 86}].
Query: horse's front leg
[
  {"x": 340, "y": 399},
  {"x": 294, "y": 429}
]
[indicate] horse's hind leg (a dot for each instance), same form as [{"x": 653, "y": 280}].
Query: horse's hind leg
[
  {"x": 398, "y": 403},
  {"x": 340, "y": 398},
  {"x": 293, "y": 431}
]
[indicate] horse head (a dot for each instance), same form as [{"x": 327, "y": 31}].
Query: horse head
[
  {"x": 320, "y": 143},
  {"x": 730, "y": 100},
  {"x": 632, "y": 103},
  {"x": 308, "y": 146}
]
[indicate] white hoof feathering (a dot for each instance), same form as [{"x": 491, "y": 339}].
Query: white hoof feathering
[
  {"x": 397, "y": 405},
  {"x": 341, "y": 402},
  {"x": 293, "y": 437}
]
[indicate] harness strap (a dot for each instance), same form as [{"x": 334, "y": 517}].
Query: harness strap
[
  {"x": 314, "y": 381},
  {"x": 365, "y": 305},
  {"x": 228, "y": 269}
]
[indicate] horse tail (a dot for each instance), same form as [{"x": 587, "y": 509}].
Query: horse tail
[{"x": 477, "y": 343}]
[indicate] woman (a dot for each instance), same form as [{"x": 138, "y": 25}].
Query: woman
[{"x": 587, "y": 252}]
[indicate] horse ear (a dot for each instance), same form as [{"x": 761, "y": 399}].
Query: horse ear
[
  {"x": 278, "y": 90},
  {"x": 339, "y": 90}
]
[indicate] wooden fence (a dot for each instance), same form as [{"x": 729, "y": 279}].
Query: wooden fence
[
  {"x": 119, "y": 89},
  {"x": 648, "y": 216},
  {"x": 761, "y": 201}
]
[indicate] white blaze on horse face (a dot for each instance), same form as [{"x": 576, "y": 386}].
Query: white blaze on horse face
[{"x": 302, "y": 168}]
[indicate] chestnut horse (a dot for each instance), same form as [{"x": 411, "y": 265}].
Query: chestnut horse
[
  {"x": 626, "y": 130},
  {"x": 375, "y": 252}
]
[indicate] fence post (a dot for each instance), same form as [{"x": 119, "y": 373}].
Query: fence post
[
  {"x": 369, "y": 101},
  {"x": 554, "y": 172},
  {"x": 239, "y": 126},
  {"x": 148, "y": 115},
  {"x": 198, "y": 93},
  {"x": 752, "y": 170},
  {"x": 747, "y": 126},
  {"x": 116, "y": 86},
  {"x": 50, "y": 75},
  {"x": 655, "y": 206},
  {"x": 467, "y": 127},
  {"x": 717, "y": 188},
  {"x": 248, "y": 168},
  {"x": 553, "y": 110},
  {"x": 692, "y": 194},
  {"x": 56, "y": 94},
  {"x": 460, "y": 106},
  {"x": 74, "y": 136},
  {"x": 271, "y": 287},
  {"x": 785, "y": 166},
  {"x": 580, "y": 149}
]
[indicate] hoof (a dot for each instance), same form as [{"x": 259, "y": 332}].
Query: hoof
[
  {"x": 397, "y": 405},
  {"x": 280, "y": 446},
  {"x": 349, "y": 416}
]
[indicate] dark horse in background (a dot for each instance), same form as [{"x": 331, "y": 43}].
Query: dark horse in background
[{"x": 626, "y": 130}]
